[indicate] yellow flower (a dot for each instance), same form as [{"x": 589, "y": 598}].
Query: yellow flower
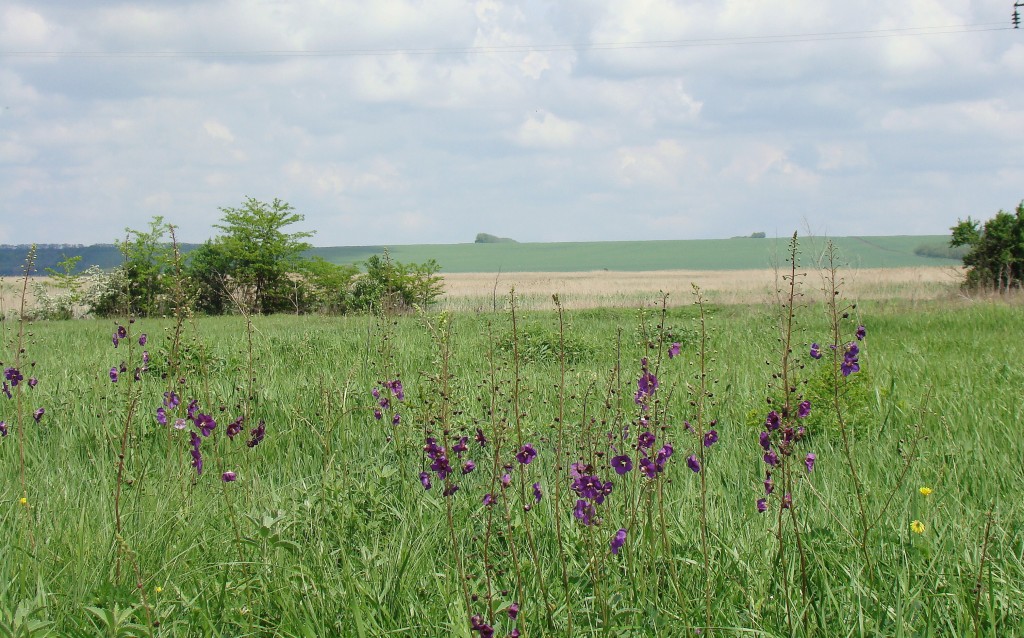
[
  {"x": 23, "y": 501},
  {"x": 158, "y": 589},
  {"x": 917, "y": 527},
  {"x": 925, "y": 491}
]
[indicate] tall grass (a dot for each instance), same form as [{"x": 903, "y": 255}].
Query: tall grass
[{"x": 328, "y": 531}]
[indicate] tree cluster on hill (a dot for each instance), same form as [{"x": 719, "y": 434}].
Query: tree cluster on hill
[
  {"x": 253, "y": 266},
  {"x": 995, "y": 250},
  {"x": 487, "y": 238}
]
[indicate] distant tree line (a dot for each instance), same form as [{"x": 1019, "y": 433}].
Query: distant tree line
[
  {"x": 253, "y": 266},
  {"x": 995, "y": 250}
]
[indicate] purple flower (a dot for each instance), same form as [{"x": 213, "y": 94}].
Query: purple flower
[
  {"x": 38, "y": 414},
  {"x": 506, "y": 479},
  {"x": 235, "y": 427},
  {"x": 33, "y": 382},
  {"x": 769, "y": 483},
  {"x": 3, "y": 428},
  {"x": 441, "y": 466},
  {"x": 477, "y": 623},
  {"x": 771, "y": 458},
  {"x": 142, "y": 339},
  {"x": 377, "y": 414},
  {"x": 526, "y": 454},
  {"x": 861, "y": 332},
  {"x": 161, "y": 416},
  {"x": 171, "y": 400},
  {"x": 7, "y": 390},
  {"x": 648, "y": 467},
  {"x": 468, "y": 467},
  {"x": 645, "y": 386},
  {"x": 787, "y": 500},
  {"x": 537, "y": 494},
  {"x": 804, "y": 410},
  {"x": 622, "y": 464},
  {"x": 192, "y": 408},
  {"x": 115, "y": 340},
  {"x": 513, "y": 611},
  {"x": 488, "y": 500},
  {"x": 257, "y": 434},
  {"x": 145, "y": 357},
  {"x": 584, "y": 512},
  {"x": 425, "y": 480},
  {"x": 762, "y": 505},
  {"x": 673, "y": 350},
  {"x": 396, "y": 419},
  {"x": 14, "y": 376},
  {"x": 197, "y": 457},
  {"x": 113, "y": 375},
  {"x": 396, "y": 389},
  {"x": 710, "y": 438},
  {"x": 809, "y": 462},
  {"x": 451, "y": 489},
  {"x": 480, "y": 438},
  {"x": 815, "y": 351},
  {"x": 205, "y": 423},
  {"x": 766, "y": 441},
  {"x": 693, "y": 463},
  {"x": 773, "y": 421},
  {"x": 122, "y": 332},
  {"x": 646, "y": 440},
  {"x": 618, "y": 540},
  {"x": 849, "y": 366},
  {"x": 228, "y": 477},
  {"x": 180, "y": 424},
  {"x": 461, "y": 446}
]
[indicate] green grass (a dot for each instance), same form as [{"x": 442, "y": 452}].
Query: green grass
[{"x": 328, "y": 531}]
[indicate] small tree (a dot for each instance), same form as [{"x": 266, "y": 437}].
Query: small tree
[
  {"x": 259, "y": 254},
  {"x": 995, "y": 255},
  {"x": 147, "y": 258}
]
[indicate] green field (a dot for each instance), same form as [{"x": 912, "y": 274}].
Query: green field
[
  {"x": 328, "y": 532},
  {"x": 695, "y": 254}
]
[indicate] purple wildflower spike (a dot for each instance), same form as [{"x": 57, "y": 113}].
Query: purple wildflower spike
[
  {"x": 815, "y": 351},
  {"x": 228, "y": 477},
  {"x": 197, "y": 457},
  {"x": 161, "y": 416},
  {"x": 710, "y": 438},
  {"x": 425, "y": 480},
  {"x": 762, "y": 505}
]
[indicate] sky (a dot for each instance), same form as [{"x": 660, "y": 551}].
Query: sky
[{"x": 412, "y": 121}]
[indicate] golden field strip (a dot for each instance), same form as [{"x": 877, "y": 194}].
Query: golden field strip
[{"x": 486, "y": 291}]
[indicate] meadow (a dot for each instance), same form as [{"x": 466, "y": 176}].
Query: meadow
[{"x": 290, "y": 499}]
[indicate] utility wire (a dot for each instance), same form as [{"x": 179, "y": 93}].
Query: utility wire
[{"x": 528, "y": 48}]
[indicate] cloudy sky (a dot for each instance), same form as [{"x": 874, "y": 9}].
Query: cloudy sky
[{"x": 428, "y": 121}]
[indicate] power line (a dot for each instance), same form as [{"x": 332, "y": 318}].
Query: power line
[{"x": 528, "y": 48}]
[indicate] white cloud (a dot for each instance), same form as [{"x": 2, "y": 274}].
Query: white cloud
[
  {"x": 218, "y": 131},
  {"x": 547, "y": 131}
]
